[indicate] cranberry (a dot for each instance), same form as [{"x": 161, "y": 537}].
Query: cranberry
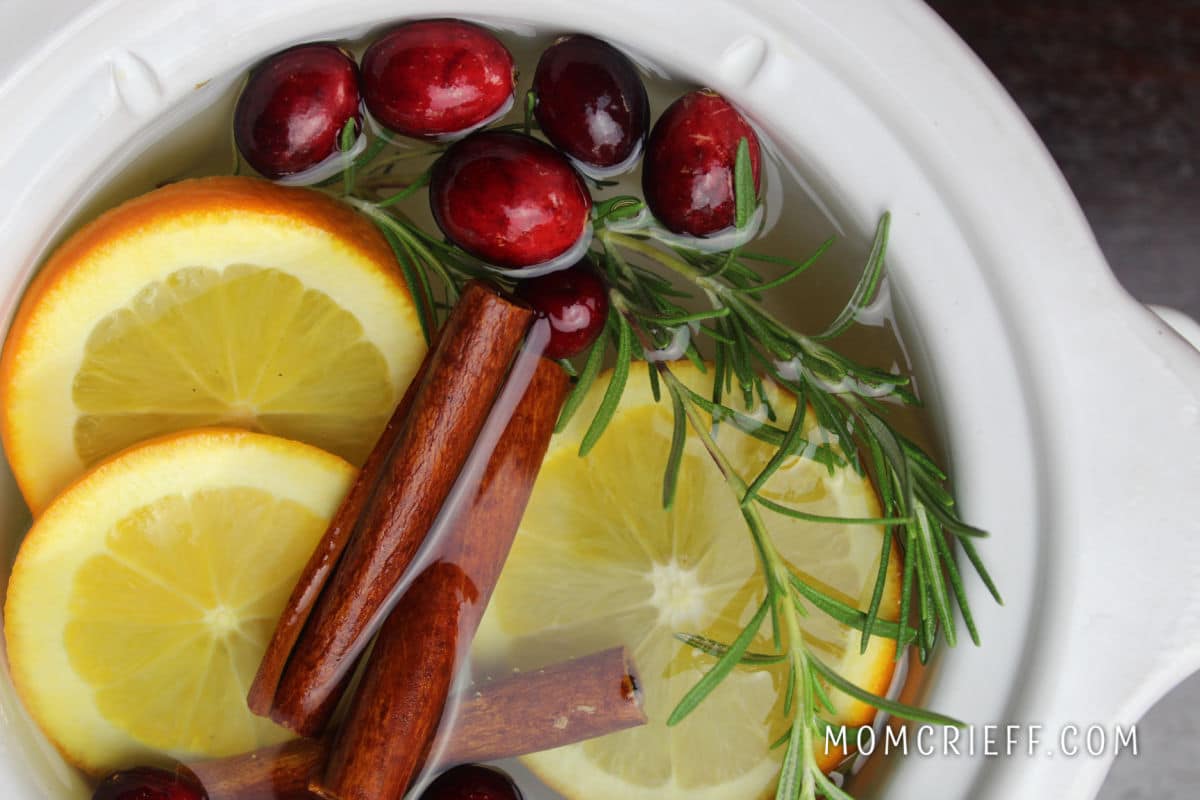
[
  {"x": 688, "y": 173},
  {"x": 575, "y": 301},
  {"x": 437, "y": 77},
  {"x": 508, "y": 199},
  {"x": 148, "y": 783},
  {"x": 290, "y": 116},
  {"x": 472, "y": 782},
  {"x": 591, "y": 102}
]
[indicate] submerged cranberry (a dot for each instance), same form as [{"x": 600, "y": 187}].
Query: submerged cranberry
[
  {"x": 148, "y": 783},
  {"x": 508, "y": 199},
  {"x": 575, "y": 301},
  {"x": 472, "y": 782},
  {"x": 687, "y": 176},
  {"x": 291, "y": 114},
  {"x": 591, "y": 102},
  {"x": 437, "y": 77}
]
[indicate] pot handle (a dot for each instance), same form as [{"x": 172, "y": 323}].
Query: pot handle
[
  {"x": 1147, "y": 545},
  {"x": 1132, "y": 577}
]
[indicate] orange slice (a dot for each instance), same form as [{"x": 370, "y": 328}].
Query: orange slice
[
  {"x": 218, "y": 301},
  {"x": 598, "y": 562}
]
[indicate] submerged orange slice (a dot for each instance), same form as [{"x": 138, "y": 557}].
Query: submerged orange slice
[
  {"x": 219, "y": 301},
  {"x": 598, "y": 562}
]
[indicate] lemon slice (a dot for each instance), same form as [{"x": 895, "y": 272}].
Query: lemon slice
[
  {"x": 143, "y": 598},
  {"x": 598, "y": 562},
  {"x": 220, "y": 301}
]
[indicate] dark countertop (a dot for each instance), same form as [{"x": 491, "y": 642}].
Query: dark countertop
[{"x": 1113, "y": 88}]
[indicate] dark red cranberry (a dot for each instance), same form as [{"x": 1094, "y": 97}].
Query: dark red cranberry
[
  {"x": 591, "y": 102},
  {"x": 508, "y": 199},
  {"x": 472, "y": 782},
  {"x": 687, "y": 176},
  {"x": 148, "y": 783},
  {"x": 291, "y": 114},
  {"x": 437, "y": 77},
  {"x": 575, "y": 301}
]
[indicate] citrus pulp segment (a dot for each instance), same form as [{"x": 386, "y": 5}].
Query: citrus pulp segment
[
  {"x": 218, "y": 301},
  {"x": 598, "y": 562},
  {"x": 143, "y": 597}
]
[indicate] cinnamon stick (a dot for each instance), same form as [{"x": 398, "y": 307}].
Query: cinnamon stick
[
  {"x": 327, "y": 553},
  {"x": 281, "y": 772},
  {"x": 525, "y": 713},
  {"x": 391, "y": 724},
  {"x": 547, "y": 708},
  {"x": 390, "y": 727},
  {"x": 463, "y": 375}
]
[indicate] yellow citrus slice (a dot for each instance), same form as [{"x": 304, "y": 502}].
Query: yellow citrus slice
[
  {"x": 598, "y": 562},
  {"x": 219, "y": 301},
  {"x": 144, "y": 596}
]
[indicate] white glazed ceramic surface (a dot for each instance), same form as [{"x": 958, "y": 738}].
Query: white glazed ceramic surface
[{"x": 1072, "y": 413}]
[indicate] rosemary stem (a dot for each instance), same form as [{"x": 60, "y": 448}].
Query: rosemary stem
[
  {"x": 671, "y": 262},
  {"x": 719, "y": 293},
  {"x": 407, "y": 155},
  {"x": 402, "y": 231},
  {"x": 421, "y": 182},
  {"x": 778, "y": 586},
  {"x": 421, "y": 249}
]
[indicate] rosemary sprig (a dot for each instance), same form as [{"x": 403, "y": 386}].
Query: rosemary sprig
[
  {"x": 669, "y": 300},
  {"x": 845, "y": 399}
]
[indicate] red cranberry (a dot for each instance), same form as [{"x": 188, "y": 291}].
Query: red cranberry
[
  {"x": 148, "y": 783},
  {"x": 290, "y": 116},
  {"x": 575, "y": 301},
  {"x": 437, "y": 77},
  {"x": 472, "y": 782},
  {"x": 591, "y": 102},
  {"x": 688, "y": 172},
  {"x": 508, "y": 199}
]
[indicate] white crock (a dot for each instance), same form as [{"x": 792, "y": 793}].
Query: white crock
[{"x": 1072, "y": 413}]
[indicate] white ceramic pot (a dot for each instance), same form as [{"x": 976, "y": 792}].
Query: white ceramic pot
[{"x": 1071, "y": 412}]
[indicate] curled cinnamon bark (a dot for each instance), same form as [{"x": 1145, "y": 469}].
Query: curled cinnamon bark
[
  {"x": 462, "y": 376},
  {"x": 525, "y": 713},
  {"x": 391, "y": 724},
  {"x": 327, "y": 553}
]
